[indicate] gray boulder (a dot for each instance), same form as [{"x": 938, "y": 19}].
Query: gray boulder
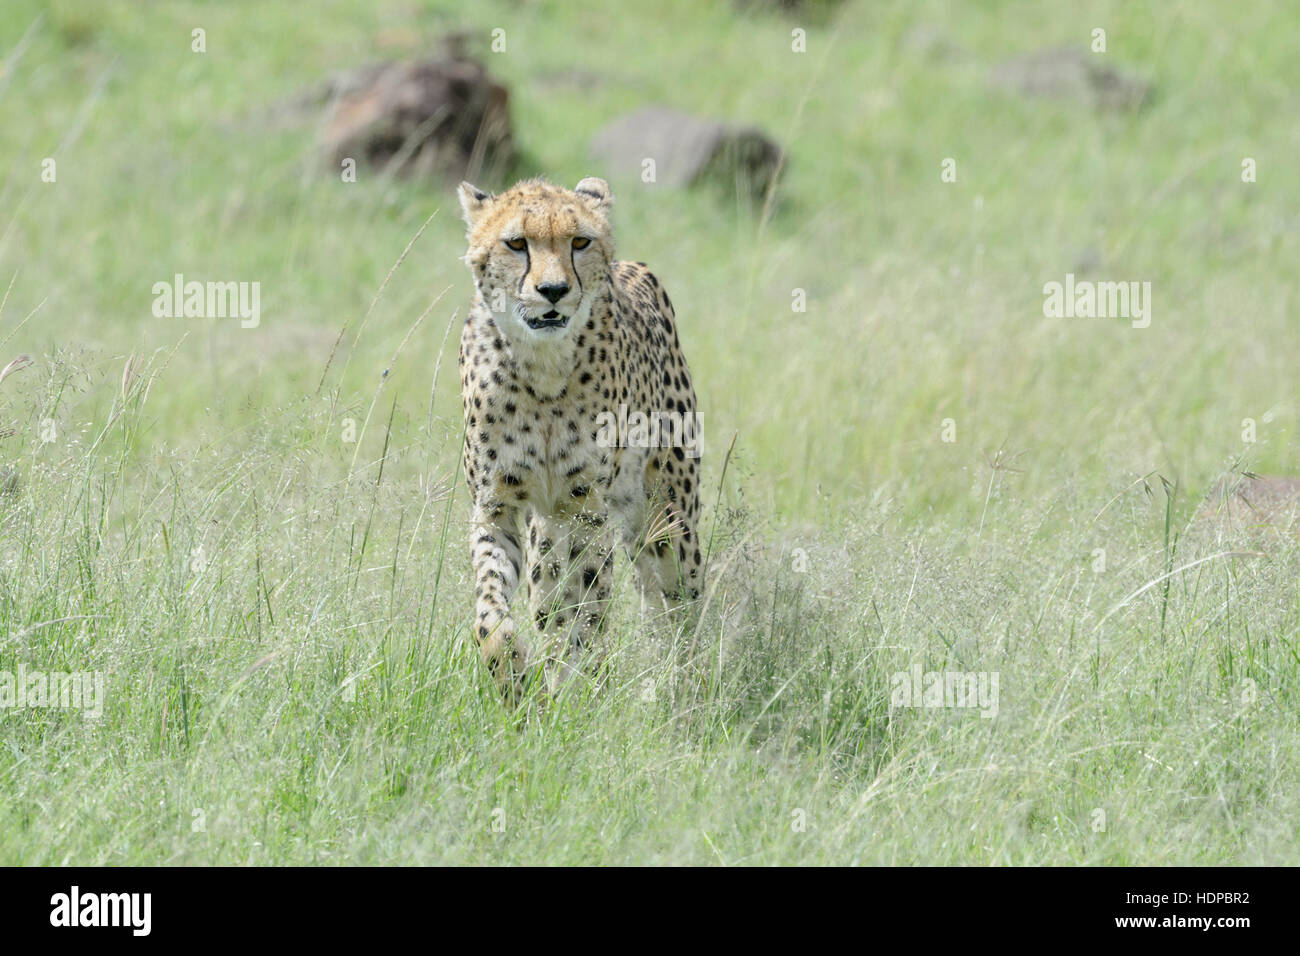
[
  {"x": 443, "y": 115},
  {"x": 1072, "y": 74},
  {"x": 688, "y": 150}
]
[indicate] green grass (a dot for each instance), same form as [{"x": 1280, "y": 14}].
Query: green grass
[{"x": 281, "y": 615}]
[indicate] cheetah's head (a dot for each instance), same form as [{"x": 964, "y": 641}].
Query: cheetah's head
[{"x": 539, "y": 255}]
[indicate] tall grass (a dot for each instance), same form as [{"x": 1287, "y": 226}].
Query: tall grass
[{"x": 258, "y": 536}]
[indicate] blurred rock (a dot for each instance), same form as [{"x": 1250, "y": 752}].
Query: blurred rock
[
  {"x": 688, "y": 150},
  {"x": 931, "y": 43},
  {"x": 820, "y": 9},
  {"x": 1087, "y": 261},
  {"x": 1072, "y": 74},
  {"x": 440, "y": 116}
]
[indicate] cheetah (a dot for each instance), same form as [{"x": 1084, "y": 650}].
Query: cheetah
[{"x": 581, "y": 429}]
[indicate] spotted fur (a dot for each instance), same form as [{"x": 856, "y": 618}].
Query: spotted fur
[{"x": 559, "y": 333}]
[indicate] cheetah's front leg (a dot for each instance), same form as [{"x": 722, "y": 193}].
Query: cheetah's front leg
[
  {"x": 666, "y": 545},
  {"x": 570, "y": 560},
  {"x": 496, "y": 556}
]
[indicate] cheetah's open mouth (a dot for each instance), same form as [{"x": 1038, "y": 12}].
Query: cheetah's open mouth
[{"x": 551, "y": 320}]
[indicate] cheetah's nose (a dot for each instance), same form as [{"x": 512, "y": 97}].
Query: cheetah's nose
[{"x": 554, "y": 291}]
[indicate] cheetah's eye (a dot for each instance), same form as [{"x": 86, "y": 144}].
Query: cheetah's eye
[
  {"x": 581, "y": 242},
  {"x": 518, "y": 244}
]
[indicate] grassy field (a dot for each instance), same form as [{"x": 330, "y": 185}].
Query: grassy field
[{"x": 281, "y": 614}]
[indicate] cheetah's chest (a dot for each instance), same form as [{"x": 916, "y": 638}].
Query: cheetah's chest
[{"x": 556, "y": 459}]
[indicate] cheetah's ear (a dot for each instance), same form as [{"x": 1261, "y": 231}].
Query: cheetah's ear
[
  {"x": 597, "y": 190},
  {"x": 472, "y": 202}
]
